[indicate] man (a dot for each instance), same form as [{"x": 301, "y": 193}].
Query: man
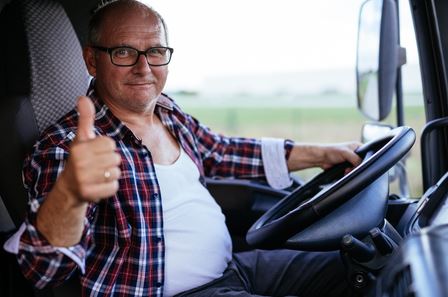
[{"x": 116, "y": 185}]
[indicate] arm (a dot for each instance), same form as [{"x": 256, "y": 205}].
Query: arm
[
  {"x": 42, "y": 262},
  {"x": 249, "y": 158},
  {"x": 281, "y": 157},
  {"x": 324, "y": 156},
  {"x": 55, "y": 236},
  {"x": 60, "y": 218}
]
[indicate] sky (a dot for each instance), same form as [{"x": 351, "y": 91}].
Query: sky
[{"x": 215, "y": 39}]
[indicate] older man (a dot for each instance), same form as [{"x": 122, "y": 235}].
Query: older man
[{"x": 116, "y": 186}]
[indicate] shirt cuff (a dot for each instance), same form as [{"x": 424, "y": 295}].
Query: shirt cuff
[
  {"x": 12, "y": 244},
  {"x": 76, "y": 253},
  {"x": 73, "y": 253},
  {"x": 274, "y": 162}
]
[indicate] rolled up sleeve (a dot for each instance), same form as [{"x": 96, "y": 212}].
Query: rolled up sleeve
[
  {"x": 274, "y": 153},
  {"x": 42, "y": 263}
]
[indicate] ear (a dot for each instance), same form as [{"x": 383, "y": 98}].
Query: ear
[{"x": 90, "y": 60}]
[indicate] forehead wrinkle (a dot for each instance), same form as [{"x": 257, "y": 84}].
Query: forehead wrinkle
[
  {"x": 132, "y": 22},
  {"x": 129, "y": 30},
  {"x": 134, "y": 37},
  {"x": 137, "y": 29}
]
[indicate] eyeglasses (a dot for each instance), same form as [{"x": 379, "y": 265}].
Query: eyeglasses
[{"x": 128, "y": 56}]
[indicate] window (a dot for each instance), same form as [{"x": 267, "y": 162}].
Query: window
[{"x": 277, "y": 68}]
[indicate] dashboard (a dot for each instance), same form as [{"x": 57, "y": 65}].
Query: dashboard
[{"x": 419, "y": 267}]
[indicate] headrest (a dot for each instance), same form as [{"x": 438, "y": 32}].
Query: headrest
[
  {"x": 52, "y": 72},
  {"x": 41, "y": 74}
]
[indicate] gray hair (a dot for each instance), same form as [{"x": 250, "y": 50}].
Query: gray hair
[{"x": 104, "y": 7}]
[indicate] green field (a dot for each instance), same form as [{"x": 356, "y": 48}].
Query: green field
[{"x": 305, "y": 124}]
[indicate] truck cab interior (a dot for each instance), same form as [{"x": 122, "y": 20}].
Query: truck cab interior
[{"x": 398, "y": 245}]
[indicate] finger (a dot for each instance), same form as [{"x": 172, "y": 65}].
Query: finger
[
  {"x": 86, "y": 119},
  {"x": 353, "y": 158},
  {"x": 108, "y": 160},
  {"x": 97, "y": 192},
  {"x": 105, "y": 144},
  {"x": 106, "y": 175},
  {"x": 97, "y": 174},
  {"x": 98, "y": 145},
  {"x": 348, "y": 170},
  {"x": 85, "y": 157}
]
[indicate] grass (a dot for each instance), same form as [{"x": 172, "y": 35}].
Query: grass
[{"x": 306, "y": 124}]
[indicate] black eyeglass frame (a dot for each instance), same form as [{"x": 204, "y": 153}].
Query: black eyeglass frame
[{"x": 109, "y": 50}]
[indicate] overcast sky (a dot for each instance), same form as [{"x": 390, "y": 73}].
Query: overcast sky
[{"x": 222, "y": 38}]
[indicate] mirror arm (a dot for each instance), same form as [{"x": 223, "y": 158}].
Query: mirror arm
[
  {"x": 399, "y": 97},
  {"x": 398, "y": 86},
  {"x": 401, "y": 53}
]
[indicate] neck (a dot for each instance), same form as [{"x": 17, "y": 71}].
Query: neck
[
  {"x": 141, "y": 117},
  {"x": 132, "y": 118},
  {"x": 141, "y": 123}
]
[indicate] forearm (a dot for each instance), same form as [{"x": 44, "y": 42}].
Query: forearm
[
  {"x": 61, "y": 216},
  {"x": 44, "y": 263},
  {"x": 322, "y": 155},
  {"x": 304, "y": 156}
]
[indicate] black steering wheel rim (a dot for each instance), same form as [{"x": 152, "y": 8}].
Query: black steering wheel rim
[{"x": 289, "y": 217}]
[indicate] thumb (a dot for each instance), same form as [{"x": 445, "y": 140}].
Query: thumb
[{"x": 86, "y": 112}]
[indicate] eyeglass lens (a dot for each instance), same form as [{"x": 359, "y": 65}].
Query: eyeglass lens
[{"x": 128, "y": 56}]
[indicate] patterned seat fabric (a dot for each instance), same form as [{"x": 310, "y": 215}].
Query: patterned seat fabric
[
  {"x": 58, "y": 73},
  {"x": 41, "y": 74},
  {"x": 44, "y": 73}
]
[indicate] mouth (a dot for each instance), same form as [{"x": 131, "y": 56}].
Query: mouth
[
  {"x": 140, "y": 84},
  {"x": 143, "y": 83}
]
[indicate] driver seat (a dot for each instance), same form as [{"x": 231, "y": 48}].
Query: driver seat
[{"x": 40, "y": 80}]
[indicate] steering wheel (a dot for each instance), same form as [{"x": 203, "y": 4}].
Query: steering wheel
[{"x": 316, "y": 215}]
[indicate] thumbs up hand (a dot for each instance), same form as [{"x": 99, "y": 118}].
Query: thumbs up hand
[
  {"x": 92, "y": 169},
  {"x": 86, "y": 120}
]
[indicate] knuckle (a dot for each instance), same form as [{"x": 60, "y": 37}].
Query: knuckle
[
  {"x": 79, "y": 166},
  {"x": 115, "y": 186},
  {"x": 118, "y": 173},
  {"x": 117, "y": 159},
  {"x": 85, "y": 193},
  {"x": 109, "y": 143}
]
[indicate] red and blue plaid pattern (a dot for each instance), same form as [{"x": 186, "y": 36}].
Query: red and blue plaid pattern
[{"x": 122, "y": 247}]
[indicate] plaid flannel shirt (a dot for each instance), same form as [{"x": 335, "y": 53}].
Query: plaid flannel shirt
[{"x": 121, "y": 252}]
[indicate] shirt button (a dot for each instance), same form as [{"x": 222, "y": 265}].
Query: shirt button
[
  {"x": 158, "y": 284},
  {"x": 155, "y": 195}
]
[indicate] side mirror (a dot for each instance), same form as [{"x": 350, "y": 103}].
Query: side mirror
[{"x": 378, "y": 57}]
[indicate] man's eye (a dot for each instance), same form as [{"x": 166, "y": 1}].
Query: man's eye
[
  {"x": 157, "y": 52},
  {"x": 122, "y": 52}
]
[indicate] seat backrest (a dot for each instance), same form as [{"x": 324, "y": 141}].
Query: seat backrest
[{"x": 41, "y": 75}]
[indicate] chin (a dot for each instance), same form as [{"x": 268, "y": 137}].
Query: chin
[{"x": 142, "y": 102}]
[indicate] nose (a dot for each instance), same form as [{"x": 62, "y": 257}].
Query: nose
[{"x": 142, "y": 65}]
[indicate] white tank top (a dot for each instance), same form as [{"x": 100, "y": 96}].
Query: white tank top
[{"x": 197, "y": 242}]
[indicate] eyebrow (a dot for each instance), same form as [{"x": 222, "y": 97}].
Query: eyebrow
[{"x": 127, "y": 45}]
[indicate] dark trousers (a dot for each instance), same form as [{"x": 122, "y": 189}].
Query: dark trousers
[{"x": 279, "y": 273}]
